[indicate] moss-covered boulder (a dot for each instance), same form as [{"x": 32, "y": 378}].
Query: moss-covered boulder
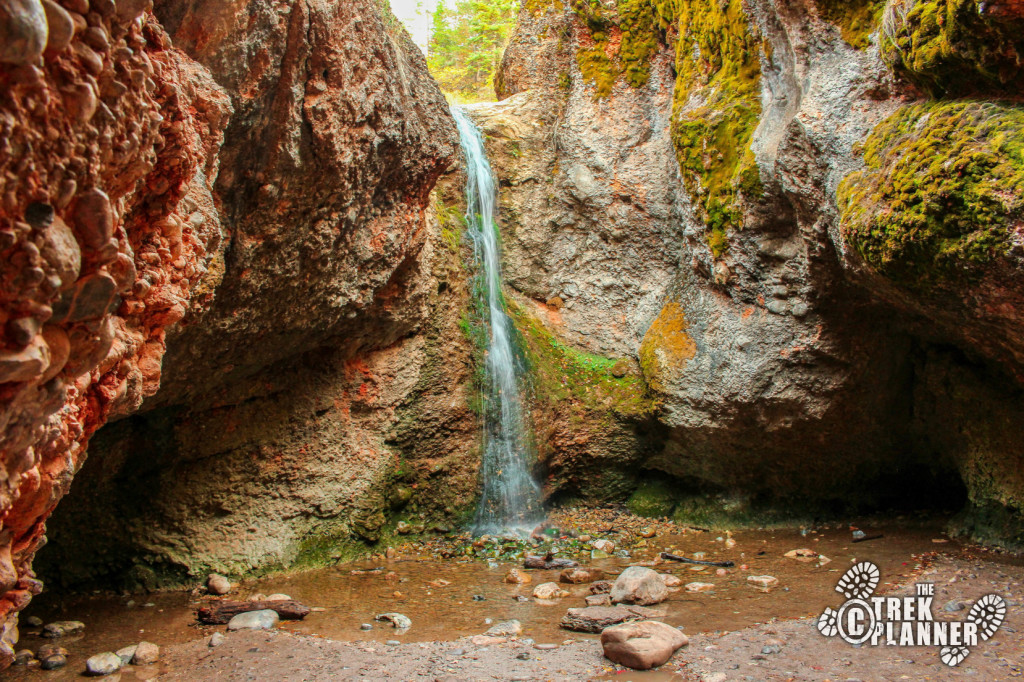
[
  {"x": 653, "y": 499},
  {"x": 941, "y": 193},
  {"x": 956, "y": 47}
]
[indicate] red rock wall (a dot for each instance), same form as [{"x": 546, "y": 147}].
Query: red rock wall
[
  {"x": 184, "y": 220},
  {"x": 109, "y": 149}
]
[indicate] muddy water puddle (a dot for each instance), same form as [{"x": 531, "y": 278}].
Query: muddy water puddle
[{"x": 438, "y": 595}]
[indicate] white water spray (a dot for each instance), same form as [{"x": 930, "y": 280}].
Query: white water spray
[{"x": 511, "y": 498}]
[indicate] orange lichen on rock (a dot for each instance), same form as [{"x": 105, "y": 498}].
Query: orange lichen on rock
[{"x": 666, "y": 345}]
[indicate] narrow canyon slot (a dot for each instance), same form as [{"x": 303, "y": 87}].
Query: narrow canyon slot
[{"x": 511, "y": 339}]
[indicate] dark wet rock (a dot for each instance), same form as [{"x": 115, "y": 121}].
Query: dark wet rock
[
  {"x": 601, "y": 586},
  {"x": 23, "y": 656},
  {"x": 597, "y": 618},
  {"x": 643, "y": 645},
  {"x": 53, "y": 662}
]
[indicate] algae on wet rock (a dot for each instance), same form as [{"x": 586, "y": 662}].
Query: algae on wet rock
[{"x": 919, "y": 217}]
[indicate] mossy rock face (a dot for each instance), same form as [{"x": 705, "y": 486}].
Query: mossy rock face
[
  {"x": 956, "y": 47},
  {"x": 653, "y": 499},
  {"x": 718, "y": 64},
  {"x": 716, "y": 104},
  {"x": 592, "y": 422},
  {"x": 856, "y": 19},
  {"x": 941, "y": 193}
]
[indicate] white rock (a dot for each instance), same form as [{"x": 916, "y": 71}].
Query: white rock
[
  {"x": 699, "y": 587},
  {"x": 146, "y": 653},
  {"x": 549, "y": 591},
  {"x": 401, "y": 622},
  {"x": 126, "y": 654},
  {"x": 639, "y": 585},
  {"x": 254, "y": 620},
  {"x": 764, "y": 581},
  {"x": 103, "y": 664},
  {"x": 507, "y": 628}
]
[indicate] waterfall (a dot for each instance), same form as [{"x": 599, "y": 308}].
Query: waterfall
[{"x": 511, "y": 498}]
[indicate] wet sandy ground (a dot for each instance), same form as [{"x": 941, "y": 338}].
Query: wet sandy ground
[{"x": 729, "y": 626}]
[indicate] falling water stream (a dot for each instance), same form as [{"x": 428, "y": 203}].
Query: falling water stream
[{"x": 511, "y": 498}]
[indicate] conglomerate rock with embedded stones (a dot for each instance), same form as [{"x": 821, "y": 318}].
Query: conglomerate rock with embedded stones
[
  {"x": 124, "y": 238},
  {"x": 107, "y": 225},
  {"x": 321, "y": 392}
]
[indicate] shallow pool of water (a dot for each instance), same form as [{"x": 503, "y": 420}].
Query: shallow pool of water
[{"x": 412, "y": 584}]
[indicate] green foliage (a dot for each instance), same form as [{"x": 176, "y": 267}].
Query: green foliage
[
  {"x": 918, "y": 216},
  {"x": 453, "y": 226},
  {"x": 467, "y": 43},
  {"x": 856, "y": 19},
  {"x": 955, "y": 47}
]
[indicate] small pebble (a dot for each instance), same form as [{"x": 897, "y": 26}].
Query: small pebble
[{"x": 365, "y": 626}]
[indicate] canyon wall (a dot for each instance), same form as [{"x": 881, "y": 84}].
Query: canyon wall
[
  {"x": 762, "y": 256},
  {"x": 773, "y": 215},
  {"x": 219, "y": 214}
]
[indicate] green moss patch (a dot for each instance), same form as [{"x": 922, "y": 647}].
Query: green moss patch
[
  {"x": 718, "y": 64},
  {"x": 856, "y": 19},
  {"x": 653, "y": 499},
  {"x": 560, "y": 372},
  {"x": 718, "y": 68},
  {"x": 921, "y": 217},
  {"x": 955, "y": 47}
]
